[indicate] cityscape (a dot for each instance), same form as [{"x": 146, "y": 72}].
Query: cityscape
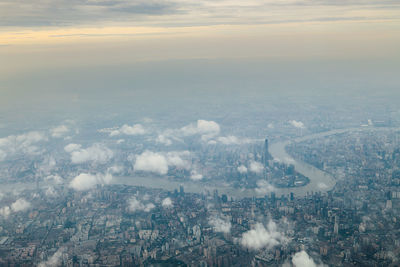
[{"x": 199, "y": 133}]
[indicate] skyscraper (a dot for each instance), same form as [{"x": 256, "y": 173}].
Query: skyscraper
[{"x": 267, "y": 156}]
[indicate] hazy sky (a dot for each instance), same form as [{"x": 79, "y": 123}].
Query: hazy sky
[
  {"x": 38, "y": 34},
  {"x": 96, "y": 53}
]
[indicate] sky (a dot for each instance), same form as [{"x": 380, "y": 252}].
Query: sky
[
  {"x": 51, "y": 33},
  {"x": 69, "y": 50}
]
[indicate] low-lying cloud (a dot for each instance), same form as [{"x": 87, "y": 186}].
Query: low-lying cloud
[
  {"x": 302, "y": 259},
  {"x": 19, "y": 205},
  {"x": 297, "y": 124},
  {"x": 136, "y": 129},
  {"x": 135, "y": 205},
  {"x": 261, "y": 237},
  {"x": 97, "y": 153},
  {"x": 167, "y": 203},
  {"x": 256, "y": 167},
  {"x": 263, "y": 187},
  {"x": 86, "y": 181},
  {"x": 24, "y": 143},
  {"x": 220, "y": 225},
  {"x": 157, "y": 162}
]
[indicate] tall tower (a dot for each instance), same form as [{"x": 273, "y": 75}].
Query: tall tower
[{"x": 267, "y": 156}]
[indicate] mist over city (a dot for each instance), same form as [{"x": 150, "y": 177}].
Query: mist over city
[{"x": 184, "y": 133}]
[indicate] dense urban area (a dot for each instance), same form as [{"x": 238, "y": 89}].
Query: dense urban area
[{"x": 95, "y": 221}]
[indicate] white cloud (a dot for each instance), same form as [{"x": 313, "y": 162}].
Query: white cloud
[
  {"x": 20, "y": 205},
  {"x": 220, "y": 225},
  {"x": 48, "y": 164},
  {"x": 264, "y": 187},
  {"x": 151, "y": 162},
  {"x": 256, "y": 167},
  {"x": 59, "y": 131},
  {"x": 301, "y": 259},
  {"x": 176, "y": 158},
  {"x": 159, "y": 162},
  {"x": 233, "y": 140},
  {"x": 86, "y": 181},
  {"x": 50, "y": 192},
  {"x": 96, "y": 153},
  {"x": 3, "y": 155},
  {"x": 5, "y": 211},
  {"x": 54, "y": 260},
  {"x": 207, "y": 129},
  {"x": 56, "y": 179},
  {"x": 136, "y": 129},
  {"x": 261, "y": 237},
  {"x": 163, "y": 139},
  {"x": 72, "y": 147},
  {"x": 167, "y": 203},
  {"x": 242, "y": 169},
  {"x": 194, "y": 175},
  {"x": 297, "y": 124},
  {"x": 136, "y": 205},
  {"x": 116, "y": 169},
  {"x": 322, "y": 185},
  {"x": 24, "y": 143}
]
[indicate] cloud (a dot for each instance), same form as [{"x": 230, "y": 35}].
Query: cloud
[
  {"x": 72, "y": 147},
  {"x": 80, "y": 12},
  {"x": 261, "y": 237},
  {"x": 194, "y": 175},
  {"x": 301, "y": 259},
  {"x": 256, "y": 167},
  {"x": 116, "y": 169},
  {"x": 322, "y": 186},
  {"x": 151, "y": 162},
  {"x": 20, "y": 205},
  {"x": 5, "y": 211},
  {"x": 159, "y": 162},
  {"x": 233, "y": 140},
  {"x": 86, "y": 181},
  {"x": 220, "y": 225},
  {"x": 136, "y": 205},
  {"x": 59, "y": 131},
  {"x": 136, "y": 129},
  {"x": 297, "y": 124},
  {"x": 50, "y": 192},
  {"x": 164, "y": 140},
  {"x": 24, "y": 143},
  {"x": 63, "y": 12},
  {"x": 264, "y": 187},
  {"x": 167, "y": 203},
  {"x": 242, "y": 169},
  {"x": 55, "y": 178},
  {"x": 54, "y": 260},
  {"x": 96, "y": 153},
  {"x": 48, "y": 164},
  {"x": 176, "y": 158},
  {"x": 207, "y": 129}
]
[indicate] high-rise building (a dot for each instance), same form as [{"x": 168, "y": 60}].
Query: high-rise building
[{"x": 267, "y": 156}]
